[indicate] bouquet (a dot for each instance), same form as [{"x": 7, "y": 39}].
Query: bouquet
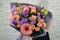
[{"x": 28, "y": 19}]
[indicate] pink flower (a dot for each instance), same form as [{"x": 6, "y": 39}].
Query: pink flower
[
  {"x": 37, "y": 28},
  {"x": 33, "y": 9},
  {"x": 26, "y": 29},
  {"x": 14, "y": 12},
  {"x": 17, "y": 8},
  {"x": 18, "y": 25},
  {"x": 26, "y": 9},
  {"x": 33, "y": 18},
  {"x": 14, "y": 17},
  {"x": 41, "y": 23}
]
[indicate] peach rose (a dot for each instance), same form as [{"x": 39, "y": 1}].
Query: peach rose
[
  {"x": 14, "y": 17},
  {"x": 42, "y": 20},
  {"x": 11, "y": 19},
  {"x": 14, "y": 12},
  {"x": 18, "y": 25},
  {"x": 44, "y": 25},
  {"x": 17, "y": 8},
  {"x": 37, "y": 28},
  {"x": 26, "y": 9},
  {"x": 33, "y": 9},
  {"x": 39, "y": 24},
  {"x": 33, "y": 18}
]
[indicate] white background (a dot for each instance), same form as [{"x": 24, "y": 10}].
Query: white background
[{"x": 8, "y": 33}]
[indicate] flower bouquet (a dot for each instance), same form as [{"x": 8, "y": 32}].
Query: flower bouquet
[{"x": 28, "y": 19}]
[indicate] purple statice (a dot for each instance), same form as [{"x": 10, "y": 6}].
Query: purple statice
[
  {"x": 23, "y": 20},
  {"x": 14, "y": 22},
  {"x": 40, "y": 15},
  {"x": 24, "y": 13}
]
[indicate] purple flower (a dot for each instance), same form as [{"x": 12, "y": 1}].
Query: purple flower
[
  {"x": 14, "y": 22},
  {"x": 24, "y": 13},
  {"x": 40, "y": 15},
  {"x": 25, "y": 20}
]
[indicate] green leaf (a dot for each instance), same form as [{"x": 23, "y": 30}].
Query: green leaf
[
  {"x": 20, "y": 11},
  {"x": 44, "y": 12}
]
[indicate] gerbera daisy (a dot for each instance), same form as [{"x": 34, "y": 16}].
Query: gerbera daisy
[{"x": 26, "y": 29}]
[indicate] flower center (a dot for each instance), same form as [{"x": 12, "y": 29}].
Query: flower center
[{"x": 26, "y": 28}]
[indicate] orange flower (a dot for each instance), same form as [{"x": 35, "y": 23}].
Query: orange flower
[
  {"x": 33, "y": 9},
  {"x": 17, "y": 8},
  {"x": 15, "y": 13},
  {"x": 39, "y": 24},
  {"x": 26, "y": 29},
  {"x": 33, "y": 17},
  {"x": 37, "y": 28},
  {"x": 18, "y": 25},
  {"x": 14, "y": 17},
  {"x": 11, "y": 19},
  {"x": 26, "y": 9},
  {"x": 42, "y": 20},
  {"x": 32, "y": 27},
  {"x": 44, "y": 25}
]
